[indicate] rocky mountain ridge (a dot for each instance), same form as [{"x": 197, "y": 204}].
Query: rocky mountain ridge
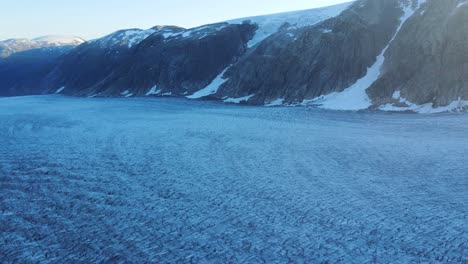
[
  {"x": 392, "y": 55},
  {"x": 11, "y": 46}
]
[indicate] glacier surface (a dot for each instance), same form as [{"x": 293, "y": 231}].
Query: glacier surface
[{"x": 163, "y": 180}]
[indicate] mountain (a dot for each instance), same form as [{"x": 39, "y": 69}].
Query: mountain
[
  {"x": 60, "y": 40},
  {"x": 12, "y": 46},
  {"x": 168, "y": 60},
  {"x": 426, "y": 66},
  {"x": 392, "y": 55},
  {"x": 24, "y": 62},
  {"x": 173, "y": 59},
  {"x": 341, "y": 63},
  {"x": 89, "y": 64}
]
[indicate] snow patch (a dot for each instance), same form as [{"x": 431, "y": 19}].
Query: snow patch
[
  {"x": 462, "y": 3},
  {"x": 126, "y": 93},
  {"x": 153, "y": 91},
  {"x": 198, "y": 32},
  {"x": 212, "y": 88},
  {"x": 277, "y": 102},
  {"x": 130, "y": 37},
  {"x": 59, "y": 90},
  {"x": 455, "y": 106},
  {"x": 135, "y": 37},
  {"x": 238, "y": 100}
]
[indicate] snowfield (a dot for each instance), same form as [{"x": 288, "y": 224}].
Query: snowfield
[
  {"x": 269, "y": 24},
  {"x": 91, "y": 180}
]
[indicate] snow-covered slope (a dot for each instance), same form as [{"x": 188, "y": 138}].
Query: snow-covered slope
[
  {"x": 12, "y": 46},
  {"x": 127, "y": 37},
  {"x": 132, "y": 37},
  {"x": 60, "y": 40},
  {"x": 269, "y": 24}
]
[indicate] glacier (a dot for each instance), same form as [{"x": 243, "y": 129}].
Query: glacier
[
  {"x": 167, "y": 180},
  {"x": 269, "y": 24}
]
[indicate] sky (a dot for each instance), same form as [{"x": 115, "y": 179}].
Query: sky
[{"x": 91, "y": 19}]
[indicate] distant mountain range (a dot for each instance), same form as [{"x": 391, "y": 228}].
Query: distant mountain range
[
  {"x": 392, "y": 55},
  {"x": 13, "y": 46}
]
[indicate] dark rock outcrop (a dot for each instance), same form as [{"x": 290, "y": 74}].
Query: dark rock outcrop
[
  {"x": 428, "y": 60},
  {"x": 180, "y": 63},
  {"x": 25, "y": 62},
  {"x": 176, "y": 60},
  {"x": 90, "y": 63}
]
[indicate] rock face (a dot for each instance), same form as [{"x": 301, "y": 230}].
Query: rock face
[
  {"x": 297, "y": 64},
  {"x": 86, "y": 66},
  {"x": 184, "y": 62},
  {"x": 21, "y": 73},
  {"x": 428, "y": 61},
  {"x": 174, "y": 60},
  {"x": 393, "y": 55},
  {"x": 379, "y": 54},
  {"x": 164, "y": 60}
]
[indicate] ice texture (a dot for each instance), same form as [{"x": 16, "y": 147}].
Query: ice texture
[{"x": 165, "y": 180}]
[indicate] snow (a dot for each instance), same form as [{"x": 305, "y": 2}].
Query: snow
[
  {"x": 135, "y": 37},
  {"x": 455, "y": 106},
  {"x": 269, "y": 24},
  {"x": 355, "y": 97},
  {"x": 60, "y": 40},
  {"x": 129, "y": 37},
  {"x": 197, "y": 32},
  {"x": 161, "y": 180},
  {"x": 276, "y": 102},
  {"x": 212, "y": 88},
  {"x": 238, "y": 100},
  {"x": 126, "y": 93},
  {"x": 59, "y": 90},
  {"x": 153, "y": 91},
  {"x": 462, "y": 3},
  {"x": 11, "y": 46}
]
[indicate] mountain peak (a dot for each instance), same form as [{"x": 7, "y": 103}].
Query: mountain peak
[{"x": 60, "y": 39}]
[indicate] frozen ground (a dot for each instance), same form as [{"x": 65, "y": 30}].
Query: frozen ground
[{"x": 168, "y": 180}]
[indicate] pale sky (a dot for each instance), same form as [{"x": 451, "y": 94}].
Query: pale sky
[{"x": 95, "y": 18}]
